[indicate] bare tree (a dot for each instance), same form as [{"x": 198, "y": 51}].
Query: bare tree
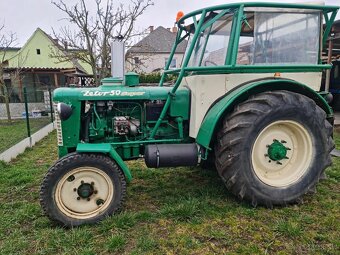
[
  {"x": 89, "y": 38},
  {"x": 6, "y": 41}
]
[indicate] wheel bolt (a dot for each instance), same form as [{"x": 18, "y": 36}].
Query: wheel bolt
[
  {"x": 95, "y": 192},
  {"x": 266, "y": 155},
  {"x": 288, "y": 149},
  {"x": 75, "y": 189},
  {"x": 279, "y": 163},
  {"x": 82, "y": 182},
  {"x": 92, "y": 183},
  {"x": 78, "y": 198},
  {"x": 269, "y": 161},
  {"x": 88, "y": 199},
  {"x": 283, "y": 141}
]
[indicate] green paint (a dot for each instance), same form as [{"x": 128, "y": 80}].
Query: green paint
[
  {"x": 172, "y": 53},
  {"x": 105, "y": 149},
  {"x": 180, "y": 76},
  {"x": 230, "y": 44},
  {"x": 251, "y": 69},
  {"x": 325, "y": 8},
  {"x": 85, "y": 190},
  {"x": 236, "y": 37},
  {"x": 227, "y": 103},
  {"x": 329, "y": 23},
  {"x": 131, "y": 79},
  {"x": 62, "y": 151},
  {"x": 27, "y": 114},
  {"x": 277, "y": 151},
  {"x": 180, "y": 104}
]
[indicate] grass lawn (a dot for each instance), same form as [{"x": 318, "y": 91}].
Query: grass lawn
[
  {"x": 12, "y": 133},
  {"x": 168, "y": 211}
]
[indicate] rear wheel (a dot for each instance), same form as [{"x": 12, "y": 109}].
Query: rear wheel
[
  {"x": 274, "y": 148},
  {"x": 82, "y": 188}
]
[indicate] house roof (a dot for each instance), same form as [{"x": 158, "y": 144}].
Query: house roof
[
  {"x": 159, "y": 40},
  {"x": 10, "y": 48},
  {"x": 75, "y": 62}
]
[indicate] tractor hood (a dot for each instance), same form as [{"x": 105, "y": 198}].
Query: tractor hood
[{"x": 111, "y": 93}]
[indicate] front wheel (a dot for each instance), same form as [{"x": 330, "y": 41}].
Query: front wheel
[
  {"x": 274, "y": 148},
  {"x": 82, "y": 188}
]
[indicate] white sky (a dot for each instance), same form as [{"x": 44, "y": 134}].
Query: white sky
[{"x": 24, "y": 16}]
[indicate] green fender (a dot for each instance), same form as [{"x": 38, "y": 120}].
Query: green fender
[
  {"x": 227, "y": 103},
  {"x": 105, "y": 148}
]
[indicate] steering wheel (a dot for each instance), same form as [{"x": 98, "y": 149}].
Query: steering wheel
[{"x": 212, "y": 63}]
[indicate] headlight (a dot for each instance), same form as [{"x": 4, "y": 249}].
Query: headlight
[{"x": 64, "y": 111}]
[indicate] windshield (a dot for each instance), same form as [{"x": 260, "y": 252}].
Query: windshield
[
  {"x": 269, "y": 36},
  {"x": 212, "y": 43}
]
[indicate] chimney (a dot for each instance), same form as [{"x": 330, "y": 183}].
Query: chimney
[
  {"x": 151, "y": 28},
  {"x": 174, "y": 30},
  {"x": 169, "y": 29},
  {"x": 65, "y": 45}
]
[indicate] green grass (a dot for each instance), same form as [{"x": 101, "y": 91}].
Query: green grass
[
  {"x": 168, "y": 211},
  {"x": 14, "y": 132}
]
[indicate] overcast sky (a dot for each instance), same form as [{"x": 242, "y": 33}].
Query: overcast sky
[{"x": 24, "y": 16}]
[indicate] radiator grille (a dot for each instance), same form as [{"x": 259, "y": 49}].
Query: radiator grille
[{"x": 58, "y": 126}]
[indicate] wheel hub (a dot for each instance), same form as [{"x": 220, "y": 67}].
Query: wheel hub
[
  {"x": 288, "y": 153},
  {"x": 85, "y": 190},
  {"x": 277, "y": 151},
  {"x": 86, "y": 194}
]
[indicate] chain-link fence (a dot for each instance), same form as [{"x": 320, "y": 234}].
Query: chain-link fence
[{"x": 31, "y": 112}]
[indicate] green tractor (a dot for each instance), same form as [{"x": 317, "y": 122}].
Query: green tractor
[{"x": 247, "y": 99}]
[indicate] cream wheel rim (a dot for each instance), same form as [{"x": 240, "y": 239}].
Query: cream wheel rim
[
  {"x": 84, "y": 192},
  {"x": 294, "y": 143}
]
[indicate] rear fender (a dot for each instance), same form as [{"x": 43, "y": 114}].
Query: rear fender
[{"x": 226, "y": 104}]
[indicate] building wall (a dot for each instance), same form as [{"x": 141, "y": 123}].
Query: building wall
[
  {"x": 17, "y": 109},
  {"x": 8, "y": 54},
  {"x": 150, "y": 62},
  {"x": 36, "y": 53}
]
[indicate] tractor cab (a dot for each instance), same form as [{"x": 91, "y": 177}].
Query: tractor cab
[{"x": 236, "y": 45}]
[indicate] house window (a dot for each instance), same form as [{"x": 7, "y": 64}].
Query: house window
[
  {"x": 136, "y": 60},
  {"x": 172, "y": 64},
  {"x": 44, "y": 80},
  {"x": 38, "y": 51}
]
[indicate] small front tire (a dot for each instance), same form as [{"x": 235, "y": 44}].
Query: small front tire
[{"x": 82, "y": 189}]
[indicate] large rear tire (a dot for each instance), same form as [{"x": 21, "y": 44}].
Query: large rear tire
[
  {"x": 274, "y": 148},
  {"x": 82, "y": 189}
]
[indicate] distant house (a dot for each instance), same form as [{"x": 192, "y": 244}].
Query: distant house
[
  {"x": 34, "y": 67},
  {"x": 151, "y": 53}
]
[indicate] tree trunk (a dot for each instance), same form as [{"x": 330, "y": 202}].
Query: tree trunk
[{"x": 9, "y": 118}]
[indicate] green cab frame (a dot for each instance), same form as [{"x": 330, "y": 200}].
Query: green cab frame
[{"x": 228, "y": 101}]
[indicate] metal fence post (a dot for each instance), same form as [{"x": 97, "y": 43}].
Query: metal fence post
[
  {"x": 27, "y": 117},
  {"x": 51, "y": 108}
]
